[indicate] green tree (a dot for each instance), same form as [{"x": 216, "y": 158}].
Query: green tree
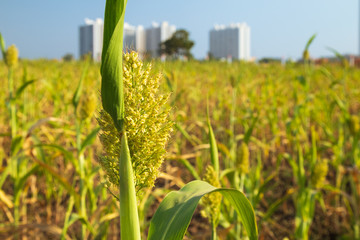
[
  {"x": 178, "y": 46},
  {"x": 68, "y": 57}
]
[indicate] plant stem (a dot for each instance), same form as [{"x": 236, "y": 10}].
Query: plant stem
[
  {"x": 82, "y": 176},
  {"x": 357, "y": 230},
  {"x": 242, "y": 181},
  {"x": 13, "y": 159},
  {"x": 67, "y": 218},
  {"x": 213, "y": 231},
  {"x": 232, "y": 144},
  {"x": 12, "y": 104},
  {"x": 16, "y": 211},
  {"x": 129, "y": 219}
]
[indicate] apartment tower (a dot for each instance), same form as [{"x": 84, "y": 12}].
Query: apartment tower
[
  {"x": 231, "y": 41},
  {"x": 156, "y": 35},
  {"x": 91, "y": 38}
]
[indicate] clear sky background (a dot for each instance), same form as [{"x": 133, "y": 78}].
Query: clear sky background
[{"x": 279, "y": 28}]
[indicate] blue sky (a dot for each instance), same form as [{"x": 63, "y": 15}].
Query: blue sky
[{"x": 279, "y": 28}]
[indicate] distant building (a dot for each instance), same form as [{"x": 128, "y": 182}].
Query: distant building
[
  {"x": 134, "y": 38},
  {"x": 91, "y": 38},
  {"x": 129, "y": 37},
  {"x": 156, "y": 35},
  {"x": 140, "y": 44},
  {"x": 230, "y": 41}
]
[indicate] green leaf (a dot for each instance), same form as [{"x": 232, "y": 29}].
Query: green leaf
[
  {"x": 213, "y": 149},
  {"x": 2, "y": 45},
  {"x": 89, "y": 139},
  {"x": 177, "y": 97},
  {"x": 74, "y": 217},
  {"x": 23, "y": 87},
  {"x": 168, "y": 81},
  {"x": 68, "y": 220},
  {"x": 214, "y": 153},
  {"x": 129, "y": 219},
  {"x": 185, "y": 134},
  {"x": 49, "y": 169},
  {"x": 336, "y": 53},
  {"x": 68, "y": 155},
  {"x": 302, "y": 80},
  {"x": 19, "y": 186},
  {"x": 226, "y": 172},
  {"x": 309, "y": 42},
  {"x": 301, "y": 178},
  {"x": 190, "y": 168},
  {"x": 25, "y": 74},
  {"x": 250, "y": 130},
  {"x": 173, "y": 216},
  {"x": 274, "y": 206},
  {"x": 314, "y": 157},
  {"x": 77, "y": 94},
  {"x": 112, "y": 93},
  {"x": 16, "y": 145},
  {"x": 341, "y": 104},
  {"x": 6, "y": 171}
]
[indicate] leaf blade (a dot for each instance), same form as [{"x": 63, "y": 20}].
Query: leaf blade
[
  {"x": 2, "y": 46},
  {"x": 112, "y": 94},
  {"x": 23, "y": 87},
  {"x": 311, "y": 39},
  {"x": 174, "y": 213},
  {"x": 89, "y": 139},
  {"x": 78, "y": 91}
]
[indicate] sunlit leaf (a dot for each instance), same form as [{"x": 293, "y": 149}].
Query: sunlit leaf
[{"x": 173, "y": 216}]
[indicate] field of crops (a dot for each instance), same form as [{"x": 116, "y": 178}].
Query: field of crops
[{"x": 286, "y": 135}]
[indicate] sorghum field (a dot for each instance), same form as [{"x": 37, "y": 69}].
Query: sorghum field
[{"x": 287, "y": 136}]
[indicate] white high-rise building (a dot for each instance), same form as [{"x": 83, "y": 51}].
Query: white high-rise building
[
  {"x": 140, "y": 40},
  {"x": 134, "y": 38},
  {"x": 230, "y": 41},
  {"x": 156, "y": 35},
  {"x": 91, "y": 38},
  {"x": 129, "y": 37}
]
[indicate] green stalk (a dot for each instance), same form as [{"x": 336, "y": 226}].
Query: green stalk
[
  {"x": 25, "y": 97},
  {"x": 213, "y": 231},
  {"x": 13, "y": 135},
  {"x": 355, "y": 150},
  {"x": 12, "y": 104},
  {"x": 213, "y": 145},
  {"x": 112, "y": 95},
  {"x": 242, "y": 181},
  {"x": 232, "y": 131},
  {"x": 16, "y": 214},
  {"x": 129, "y": 219},
  {"x": 16, "y": 209},
  {"x": 67, "y": 218},
  {"x": 83, "y": 189}
]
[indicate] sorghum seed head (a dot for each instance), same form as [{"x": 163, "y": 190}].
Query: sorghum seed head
[
  {"x": 354, "y": 125},
  {"x": 87, "y": 107},
  {"x": 147, "y": 125},
  {"x": 212, "y": 201},
  {"x": 242, "y": 160},
  {"x": 11, "y": 56},
  {"x": 319, "y": 173},
  {"x": 306, "y": 55}
]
